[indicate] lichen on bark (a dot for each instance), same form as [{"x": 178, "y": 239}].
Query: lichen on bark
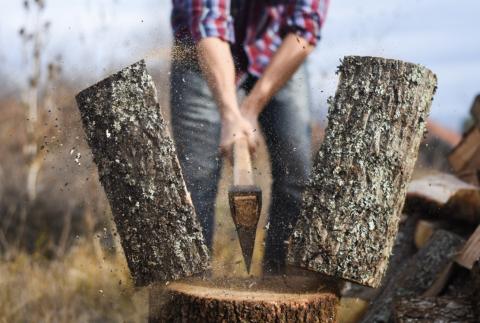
[
  {"x": 355, "y": 195},
  {"x": 434, "y": 309},
  {"x": 140, "y": 173}
]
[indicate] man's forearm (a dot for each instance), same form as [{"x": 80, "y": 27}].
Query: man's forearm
[
  {"x": 217, "y": 65},
  {"x": 290, "y": 55}
]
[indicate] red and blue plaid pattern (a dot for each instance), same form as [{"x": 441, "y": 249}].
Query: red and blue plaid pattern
[{"x": 268, "y": 22}]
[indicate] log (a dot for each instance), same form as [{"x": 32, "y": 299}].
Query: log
[
  {"x": 465, "y": 158},
  {"x": 431, "y": 309},
  {"x": 403, "y": 250},
  {"x": 425, "y": 266},
  {"x": 140, "y": 173},
  {"x": 416, "y": 275},
  {"x": 470, "y": 252},
  {"x": 467, "y": 256},
  {"x": 423, "y": 232},
  {"x": 475, "y": 275},
  {"x": 444, "y": 196},
  {"x": 272, "y": 299},
  {"x": 475, "y": 110},
  {"x": 353, "y": 201},
  {"x": 404, "y": 247}
]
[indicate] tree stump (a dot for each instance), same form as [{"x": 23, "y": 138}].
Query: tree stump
[
  {"x": 355, "y": 195},
  {"x": 272, "y": 299},
  {"x": 475, "y": 110},
  {"x": 140, "y": 173}
]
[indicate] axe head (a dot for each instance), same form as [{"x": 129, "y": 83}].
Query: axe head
[{"x": 245, "y": 206}]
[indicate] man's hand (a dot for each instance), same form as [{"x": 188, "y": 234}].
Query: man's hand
[
  {"x": 250, "y": 109},
  {"x": 233, "y": 128}
]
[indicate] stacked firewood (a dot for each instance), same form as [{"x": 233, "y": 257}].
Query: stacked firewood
[
  {"x": 434, "y": 270},
  {"x": 465, "y": 158}
]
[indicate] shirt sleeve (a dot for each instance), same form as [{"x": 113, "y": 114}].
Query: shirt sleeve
[
  {"x": 211, "y": 18},
  {"x": 307, "y": 19}
]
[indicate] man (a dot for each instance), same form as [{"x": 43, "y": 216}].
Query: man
[{"x": 226, "y": 51}]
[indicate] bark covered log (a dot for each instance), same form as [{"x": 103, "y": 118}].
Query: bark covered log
[
  {"x": 444, "y": 195},
  {"x": 431, "y": 309},
  {"x": 402, "y": 251},
  {"x": 275, "y": 299},
  {"x": 475, "y": 275},
  {"x": 423, "y": 232},
  {"x": 416, "y": 275},
  {"x": 475, "y": 110},
  {"x": 140, "y": 173},
  {"x": 465, "y": 157},
  {"x": 470, "y": 253},
  {"x": 353, "y": 201}
]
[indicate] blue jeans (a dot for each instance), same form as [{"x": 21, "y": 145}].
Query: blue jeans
[{"x": 285, "y": 124}]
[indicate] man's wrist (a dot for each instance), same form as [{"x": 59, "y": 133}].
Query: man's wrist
[
  {"x": 229, "y": 114},
  {"x": 253, "y": 105},
  {"x": 258, "y": 97}
]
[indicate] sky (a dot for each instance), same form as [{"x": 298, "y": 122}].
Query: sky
[{"x": 97, "y": 37}]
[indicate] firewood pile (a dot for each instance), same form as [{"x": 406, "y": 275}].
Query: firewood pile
[{"x": 434, "y": 270}]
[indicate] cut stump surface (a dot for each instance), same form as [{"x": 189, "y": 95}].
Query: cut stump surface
[{"x": 273, "y": 299}]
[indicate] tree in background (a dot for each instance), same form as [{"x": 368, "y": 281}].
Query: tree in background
[{"x": 38, "y": 94}]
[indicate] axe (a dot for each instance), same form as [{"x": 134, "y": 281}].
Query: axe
[{"x": 245, "y": 199}]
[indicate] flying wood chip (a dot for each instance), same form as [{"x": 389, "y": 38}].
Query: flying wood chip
[{"x": 140, "y": 173}]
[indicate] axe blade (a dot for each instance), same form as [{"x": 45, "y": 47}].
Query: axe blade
[{"x": 245, "y": 206}]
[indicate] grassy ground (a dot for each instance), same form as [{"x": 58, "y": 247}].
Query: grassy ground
[{"x": 86, "y": 285}]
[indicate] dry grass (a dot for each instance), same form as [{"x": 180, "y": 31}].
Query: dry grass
[{"x": 87, "y": 285}]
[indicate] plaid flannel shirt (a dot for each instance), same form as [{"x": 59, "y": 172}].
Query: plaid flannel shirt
[{"x": 268, "y": 22}]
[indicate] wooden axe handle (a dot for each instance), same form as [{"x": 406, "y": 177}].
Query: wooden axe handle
[{"x": 242, "y": 163}]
